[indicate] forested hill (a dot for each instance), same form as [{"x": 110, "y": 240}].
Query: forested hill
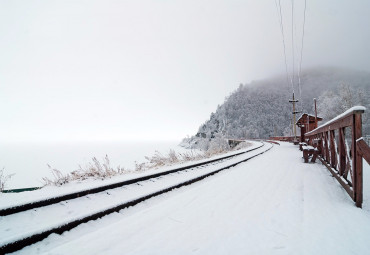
[{"x": 261, "y": 109}]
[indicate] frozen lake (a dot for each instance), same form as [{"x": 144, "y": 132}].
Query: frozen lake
[{"x": 29, "y": 161}]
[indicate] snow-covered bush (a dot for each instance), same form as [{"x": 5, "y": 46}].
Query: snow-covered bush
[
  {"x": 242, "y": 145},
  {"x": 218, "y": 145}
]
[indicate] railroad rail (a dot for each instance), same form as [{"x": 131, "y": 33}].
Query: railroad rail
[
  {"x": 111, "y": 197},
  {"x": 54, "y": 200},
  {"x": 340, "y": 149}
]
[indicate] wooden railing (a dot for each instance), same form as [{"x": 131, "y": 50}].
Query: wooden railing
[
  {"x": 363, "y": 149},
  {"x": 339, "y": 151},
  {"x": 282, "y": 138}
]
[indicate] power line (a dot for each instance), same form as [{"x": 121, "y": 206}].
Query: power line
[
  {"x": 300, "y": 62},
  {"x": 293, "y": 45},
  {"x": 278, "y": 9},
  {"x": 293, "y": 101}
]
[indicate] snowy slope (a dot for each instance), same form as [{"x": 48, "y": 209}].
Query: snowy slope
[{"x": 273, "y": 204}]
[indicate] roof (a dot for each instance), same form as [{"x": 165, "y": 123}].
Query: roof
[{"x": 303, "y": 119}]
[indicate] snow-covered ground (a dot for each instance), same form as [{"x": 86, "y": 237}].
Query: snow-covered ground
[
  {"x": 13, "y": 199},
  {"x": 272, "y": 204},
  {"x": 20, "y": 225}
]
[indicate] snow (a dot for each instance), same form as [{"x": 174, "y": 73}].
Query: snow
[
  {"x": 42, "y": 219},
  {"x": 13, "y": 199},
  {"x": 272, "y": 204},
  {"x": 309, "y": 115},
  {"x": 355, "y": 108},
  {"x": 359, "y": 139}
]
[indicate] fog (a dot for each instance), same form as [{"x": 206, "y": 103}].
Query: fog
[{"x": 154, "y": 70}]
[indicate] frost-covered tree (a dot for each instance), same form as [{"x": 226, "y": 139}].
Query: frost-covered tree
[
  {"x": 334, "y": 102},
  {"x": 329, "y": 105},
  {"x": 261, "y": 109}
]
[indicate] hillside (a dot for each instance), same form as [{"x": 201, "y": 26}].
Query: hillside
[{"x": 260, "y": 109}]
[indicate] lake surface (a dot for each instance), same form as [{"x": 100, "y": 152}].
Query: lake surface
[{"x": 29, "y": 161}]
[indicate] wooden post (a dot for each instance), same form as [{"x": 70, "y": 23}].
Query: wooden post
[
  {"x": 357, "y": 159},
  {"x": 326, "y": 147},
  {"x": 315, "y": 113},
  {"x": 303, "y": 130},
  {"x": 308, "y": 123},
  {"x": 332, "y": 149},
  {"x": 319, "y": 145},
  {"x": 342, "y": 152},
  {"x": 364, "y": 150}
]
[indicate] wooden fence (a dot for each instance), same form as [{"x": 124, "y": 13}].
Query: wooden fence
[
  {"x": 282, "y": 138},
  {"x": 341, "y": 150}
]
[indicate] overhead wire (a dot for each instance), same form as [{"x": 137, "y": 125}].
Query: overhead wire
[
  {"x": 301, "y": 57},
  {"x": 293, "y": 46},
  {"x": 292, "y": 76},
  {"x": 280, "y": 16}
]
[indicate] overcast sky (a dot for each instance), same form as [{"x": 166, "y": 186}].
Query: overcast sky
[{"x": 146, "y": 69}]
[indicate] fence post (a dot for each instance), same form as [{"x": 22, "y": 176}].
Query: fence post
[
  {"x": 332, "y": 150},
  {"x": 342, "y": 152},
  {"x": 357, "y": 159},
  {"x": 319, "y": 144},
  {"x": 326, "y": 147}
]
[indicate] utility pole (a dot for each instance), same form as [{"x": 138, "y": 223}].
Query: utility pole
[
  {"x": 291, "y": 130},
  {"x": 294, "y": 101},
  {"x": 315, "y": 113},
  {"x": 308, "y": 123}
]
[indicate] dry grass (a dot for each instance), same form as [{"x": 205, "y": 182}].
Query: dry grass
[
  {"x": 102, "y": 170},
  {"x": 92, "y": 170},
  {"x": 4, "y": 178},
  {"x": 158, "y": 160}
]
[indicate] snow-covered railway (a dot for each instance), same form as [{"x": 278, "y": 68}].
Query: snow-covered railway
[{"x": 32, "y": 222}]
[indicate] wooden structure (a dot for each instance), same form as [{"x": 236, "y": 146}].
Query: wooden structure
[
  {"x": 340, "y": 149},
  {"x": 308, "y": 151},
  {"x": 282, "y": 138},
  {"x": 307, "y": 123},
  {"x": 363, "y": 150}
]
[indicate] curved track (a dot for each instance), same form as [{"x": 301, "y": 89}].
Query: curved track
[{"x": 56, "y": 215}]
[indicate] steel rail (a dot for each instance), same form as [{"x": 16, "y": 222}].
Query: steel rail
[{"x": 54, "y": 200}]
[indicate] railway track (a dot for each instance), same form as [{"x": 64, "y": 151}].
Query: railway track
[{"x": 32, "y": 222}]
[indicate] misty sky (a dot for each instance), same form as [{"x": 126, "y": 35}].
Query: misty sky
[{"x": 146, "y": 69}]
